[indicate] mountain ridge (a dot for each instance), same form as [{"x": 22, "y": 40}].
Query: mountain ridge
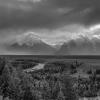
[
  {"x": 80, "y": 46},
  {"x": 30, "y": 43}
]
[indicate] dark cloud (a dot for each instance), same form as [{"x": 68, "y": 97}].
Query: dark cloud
[
  {"x": 47, "y": 14},
  {"x": 93, "y": 17}
]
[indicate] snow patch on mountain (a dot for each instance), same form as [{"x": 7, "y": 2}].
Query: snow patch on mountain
[{"x": 28, "y": 38}]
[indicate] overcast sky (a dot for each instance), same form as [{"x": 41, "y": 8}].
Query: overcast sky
[{"x": 53, "y": 20}]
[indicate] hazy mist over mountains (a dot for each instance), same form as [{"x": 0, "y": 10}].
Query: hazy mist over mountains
[
  {"x": 81, "y": 46},
  {"x": 30, "y": 43}
]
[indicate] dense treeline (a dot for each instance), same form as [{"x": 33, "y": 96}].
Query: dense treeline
[
  {"x": 54, "y": 82},
  {"x": 18, "y": 85}
]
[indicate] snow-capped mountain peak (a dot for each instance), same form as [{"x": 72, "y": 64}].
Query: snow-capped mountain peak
[{"x": 28, "y": 38}]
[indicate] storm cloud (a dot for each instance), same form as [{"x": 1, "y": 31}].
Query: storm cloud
[{"x": 48, "y": 13}]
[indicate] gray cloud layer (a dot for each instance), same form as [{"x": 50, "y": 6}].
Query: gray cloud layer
[{"x": 48, "y": 13}]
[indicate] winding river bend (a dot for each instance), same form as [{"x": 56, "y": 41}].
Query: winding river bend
[{"x": 37, "y": 67}]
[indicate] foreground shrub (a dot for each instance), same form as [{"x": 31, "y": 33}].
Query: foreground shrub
[{"x": 68, "y": 89}]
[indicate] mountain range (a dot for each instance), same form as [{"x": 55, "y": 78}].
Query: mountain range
[
  {"x": 81, "y": 46},
  {"x": 33, "y": 44}
]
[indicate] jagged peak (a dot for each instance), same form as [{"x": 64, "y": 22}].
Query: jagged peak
[{"x": 29, "y": 38}]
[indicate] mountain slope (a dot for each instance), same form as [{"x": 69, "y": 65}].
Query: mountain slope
[
  {"x": 31, "y": 43},
  {"x": 81, "y": 46}
]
